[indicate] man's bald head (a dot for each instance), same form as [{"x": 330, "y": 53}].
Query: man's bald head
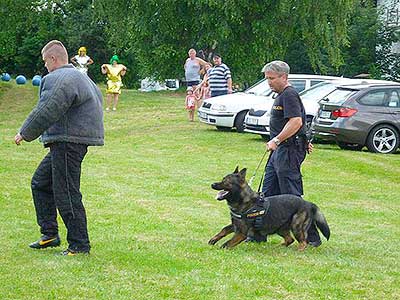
[{"x": 54, "y": 55}]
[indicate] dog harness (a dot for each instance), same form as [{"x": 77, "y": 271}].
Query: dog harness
[{"x": 254, "y": 216}]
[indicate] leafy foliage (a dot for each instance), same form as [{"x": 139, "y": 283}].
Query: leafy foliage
[
  {"x": 388, "y": 63},
  {"x": 247, "y": 34},
  {"x": 152, "y": 37},
  {"x": 360, "y": 54}
]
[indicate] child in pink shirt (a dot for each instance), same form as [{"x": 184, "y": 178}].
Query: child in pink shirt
[{"x": 190, "y": 103}]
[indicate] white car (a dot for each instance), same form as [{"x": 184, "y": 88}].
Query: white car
[
  {"x": 228, "y": 111},
  {"x": 257, "y": 119}
]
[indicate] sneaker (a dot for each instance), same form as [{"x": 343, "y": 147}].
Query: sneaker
[
  {"x": 70, "y": 252},
  {"x": 46, "y": 241},
  {"x": 114, "y": 108},
  {"x": 107, "y": 109}
]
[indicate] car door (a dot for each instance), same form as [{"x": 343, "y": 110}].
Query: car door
[
  {"x": 375, "y": 102},
  {"x": 393, "y": 105}
]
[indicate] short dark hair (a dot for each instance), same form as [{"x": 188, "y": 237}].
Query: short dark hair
[{"x": 217, "y": 55}]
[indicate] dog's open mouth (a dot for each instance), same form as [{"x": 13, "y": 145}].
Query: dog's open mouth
[{"x": 221, "y": 195}]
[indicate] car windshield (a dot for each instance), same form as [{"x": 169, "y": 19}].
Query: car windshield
[
  {"x": 261, "y": 88},
  {"x": 317, "y": 92},
  {"x": 338, "y": 96}
]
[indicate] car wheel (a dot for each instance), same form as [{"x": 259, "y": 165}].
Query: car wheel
[
  {"x": 350, "y": 146},
  {"x": 239, "y": 121},
  {"x": 383, "y": 139},
  {"x": 221, "y": 128}
]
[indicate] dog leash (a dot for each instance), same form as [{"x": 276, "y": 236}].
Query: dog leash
[
  {"x": 262, "y": 177},
  {"x": 259, "y": 164}
]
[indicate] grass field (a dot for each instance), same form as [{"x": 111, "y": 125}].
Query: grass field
[{"x": 151, "y": 212}]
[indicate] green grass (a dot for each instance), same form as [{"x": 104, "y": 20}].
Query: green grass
[{"x": 151, "y": 212}]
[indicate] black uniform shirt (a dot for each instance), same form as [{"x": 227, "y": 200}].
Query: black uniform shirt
[{"x": 287, "y": 105}]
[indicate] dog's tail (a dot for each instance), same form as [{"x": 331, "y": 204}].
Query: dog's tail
[{"x": 320, "y": 221}]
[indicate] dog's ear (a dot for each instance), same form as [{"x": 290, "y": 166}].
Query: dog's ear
[
  {"x": 236, "y": 170},
  {"x": 243, "y": 172}
]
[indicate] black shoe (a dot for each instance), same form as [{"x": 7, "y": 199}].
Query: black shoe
[
  {"x": 70, "y": 252},
  {"x": 315, "y": 243},
  {"x": 46, "y": 241}
]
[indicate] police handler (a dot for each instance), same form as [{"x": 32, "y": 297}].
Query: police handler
[{"x": 288, "y": 143}]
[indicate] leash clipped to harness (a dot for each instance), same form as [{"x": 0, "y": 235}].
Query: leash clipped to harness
[{"x": 255, "y": 214}]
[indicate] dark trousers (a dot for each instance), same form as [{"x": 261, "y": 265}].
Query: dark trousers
[
  {"x": 56, "y": 186},
  {"x": 283, "y": 176},
  {"x": 218, "y": 93}
]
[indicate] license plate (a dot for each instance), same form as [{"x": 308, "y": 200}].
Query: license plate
[
  {"x": 252, "y": 121},
  {"x": 325, "y": 114},
  {"x": 202, "y": 115}
]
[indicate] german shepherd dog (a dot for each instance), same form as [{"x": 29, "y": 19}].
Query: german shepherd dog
[{"x": 252, "y": 214}]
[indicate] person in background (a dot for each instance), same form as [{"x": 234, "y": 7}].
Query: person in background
[
  {"x": 202, "y": 91},
  {"x": 190, "y": 103},
  {"x": 219, "y": 78},
  {"x": 69, "y": 118},
  {"x": 192, "y": 68},
  {"x": 114, "y": 72},
  {"x": 81, "y": 61}
]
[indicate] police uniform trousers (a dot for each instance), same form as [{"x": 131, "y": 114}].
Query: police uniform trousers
[
  {"x": 56, "y": 186},
  {"x": 283, "y": 175}
]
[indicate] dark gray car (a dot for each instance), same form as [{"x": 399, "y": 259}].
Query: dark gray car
[{"x": 361, "y": 115}]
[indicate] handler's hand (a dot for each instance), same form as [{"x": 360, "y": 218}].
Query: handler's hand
[
  {"x": 310, "y": 147},
  {"x": 271, "y": 146},
  {"x": 18, "y": 139}
]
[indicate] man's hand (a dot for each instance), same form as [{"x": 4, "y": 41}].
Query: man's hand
[
  {"x": 271, "y": 146},
  {"x": 310, "y": 147},
  {"x": 18, "y": 139}
]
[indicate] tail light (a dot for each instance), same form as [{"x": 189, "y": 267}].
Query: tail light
[{"x": 344, "y": 112}]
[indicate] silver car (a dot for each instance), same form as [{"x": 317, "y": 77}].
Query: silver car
[
  {"x": 361, "y": 115},
  {"x": 228, "y": 111}
]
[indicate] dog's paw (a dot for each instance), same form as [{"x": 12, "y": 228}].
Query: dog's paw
[
  {"x": 302, "y": 246},
  {"x": 213, "y": 241},
  {"x": 225, "y": 245}
]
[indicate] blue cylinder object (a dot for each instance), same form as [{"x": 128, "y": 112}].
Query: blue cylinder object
[
  {"x": 36, "y": 80},
  {"x": 5, "y": 77},
  {"x": 20, "y": 79}
]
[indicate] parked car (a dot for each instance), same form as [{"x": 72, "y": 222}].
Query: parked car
[
  {"x": 228, "y": 111},
  {"x": 361, "y": 115},
  {"x": 257, "y": 119}
]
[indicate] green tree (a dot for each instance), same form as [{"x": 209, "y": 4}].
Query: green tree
[
  {"x": 33, "y": 23},
  {"x": 11, "y": 16},
  {"x": 388, "y": 63},
  {"x": 158, "y": 33},
  {"x": 360, "y": 55}
]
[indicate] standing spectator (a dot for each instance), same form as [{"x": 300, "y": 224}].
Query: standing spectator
[
  {"x": 190, "y": 103},
  {"x": 81, "y": 61},
  {"x": 114, "y": 72},
  {"x": 288, "y": 141},
  {"x": 192, "y": 68},
  {"x": 202, "y": 91},
  {"x": 69, "y": 118},
  {"x": 219, "y": 78}
]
